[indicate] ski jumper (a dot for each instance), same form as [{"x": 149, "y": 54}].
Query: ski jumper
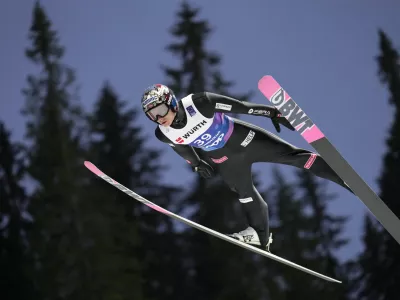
[{"x": 202, "y": 130}]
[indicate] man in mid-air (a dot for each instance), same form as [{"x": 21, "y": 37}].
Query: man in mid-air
[{"x": 197, "y": 128}]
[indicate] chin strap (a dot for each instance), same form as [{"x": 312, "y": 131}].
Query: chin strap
[{"x": 180, "y": 117}]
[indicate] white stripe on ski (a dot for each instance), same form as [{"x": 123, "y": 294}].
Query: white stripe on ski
[{"x": 127, "y": 191}]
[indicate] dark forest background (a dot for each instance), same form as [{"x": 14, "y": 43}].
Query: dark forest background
[{"x": 72, "y": 236}]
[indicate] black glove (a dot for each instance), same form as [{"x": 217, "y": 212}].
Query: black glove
[
  {"x": 277, "y": 119},
  {"x": 204, "y": 169}
]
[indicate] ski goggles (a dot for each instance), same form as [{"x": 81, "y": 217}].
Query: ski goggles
[{"x": 157, "y": 112}]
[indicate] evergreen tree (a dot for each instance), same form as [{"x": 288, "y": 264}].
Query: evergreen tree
[
  {"x": 15, "y": 258},
  {"x": 324, "y": 237},
  {"x": 55, "y": 166},
  {"x": 200, "y": 68},
  {"x": 305, "y": 233},
  {"x": 217, "y": 270},
  {"x": 289, "y": 225},
  {"x": 136, "y": 257},
  {"x": 380, "y": 261},
  {"x": 113, "y": 230}
]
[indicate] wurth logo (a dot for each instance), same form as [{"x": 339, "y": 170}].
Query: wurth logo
[{"x": 181, "y": 139}]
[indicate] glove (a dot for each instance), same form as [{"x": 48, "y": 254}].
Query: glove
[
  {"x": 204, "y": 169},
  {"x": 277, "y": 119}
]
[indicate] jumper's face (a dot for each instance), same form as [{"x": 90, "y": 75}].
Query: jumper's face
[{"x": 167, "y": 119}]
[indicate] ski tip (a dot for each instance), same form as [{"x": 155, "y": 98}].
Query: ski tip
[
  {"x": 336, "y": 281},
  {"x": 265, "y": 77},
  {"x": 93, "y": 168},
  {"x": 264, "y": 80},
  {"x": 268, "y": 86}
]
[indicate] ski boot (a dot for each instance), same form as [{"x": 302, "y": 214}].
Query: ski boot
[{"x": 250, "y": 236}]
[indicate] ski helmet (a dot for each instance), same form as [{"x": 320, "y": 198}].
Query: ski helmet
[{"x": 157, "y": 100}]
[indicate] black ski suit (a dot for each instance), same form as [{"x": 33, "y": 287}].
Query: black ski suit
[{"x": 233, "y": 162}]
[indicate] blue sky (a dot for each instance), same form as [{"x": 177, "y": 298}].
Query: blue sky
[{"x": 322, "y": 52}]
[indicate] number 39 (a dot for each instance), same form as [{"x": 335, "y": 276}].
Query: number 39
[{"x": 204, "y": 138}]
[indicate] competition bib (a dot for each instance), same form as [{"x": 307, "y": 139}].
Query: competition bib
[{"x": 200, "y": 132}]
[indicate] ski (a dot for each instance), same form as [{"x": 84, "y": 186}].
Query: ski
[
  {"x": 279, "y": 97},
  {"x": 214, "y": 233}
]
